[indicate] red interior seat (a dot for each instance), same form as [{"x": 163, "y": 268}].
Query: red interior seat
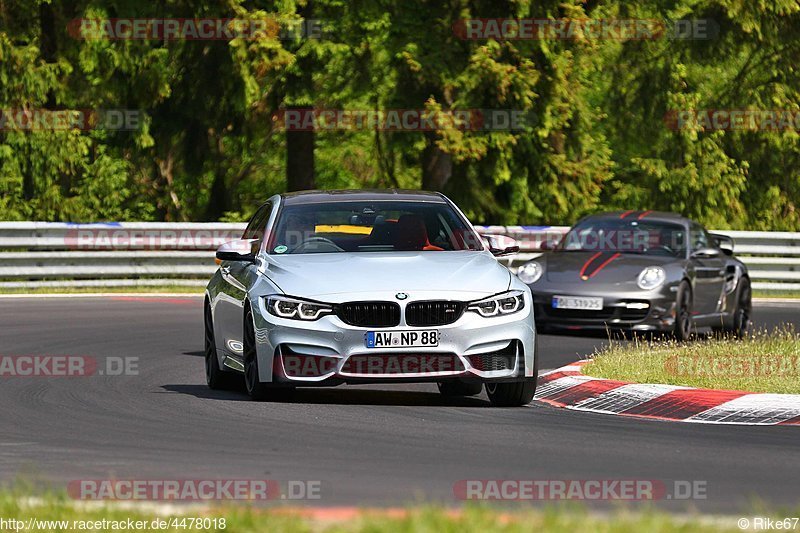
[{"x": 411, "y": 235}]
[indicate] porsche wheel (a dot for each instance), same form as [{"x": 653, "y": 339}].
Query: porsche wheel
[
  {"x": 742, "y": 320},
  {"x": 683, "y": 313}
]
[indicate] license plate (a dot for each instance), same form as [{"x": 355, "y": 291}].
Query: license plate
[
  {"x": 577, "y": 302},
  {"x": 402, "y": 339}
]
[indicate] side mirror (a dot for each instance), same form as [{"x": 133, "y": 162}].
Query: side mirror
[
  {"x": 706, "y": 253},
  {"x": 239, "y": 250},
  {"x": 549, "y": 245},
  {"x": 501, "y": 245},
  {"x": 723, "y": 242}
]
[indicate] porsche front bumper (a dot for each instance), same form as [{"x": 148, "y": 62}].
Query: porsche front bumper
[{"x": 634, "y": 310}]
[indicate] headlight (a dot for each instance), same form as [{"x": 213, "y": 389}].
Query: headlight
[
  {"x": 502, "y": 304},
  {"x": 287, "y": 307},
  {"x": 530, "y": 272},
  {"x": 651, "y": 277}
]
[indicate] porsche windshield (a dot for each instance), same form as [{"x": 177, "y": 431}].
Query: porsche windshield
[
  {"x": 371, "y": 226},
  {"x": 626, "y": 236}
]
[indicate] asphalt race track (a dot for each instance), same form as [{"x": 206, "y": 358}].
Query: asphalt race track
[{"x": 369, "y": 445}]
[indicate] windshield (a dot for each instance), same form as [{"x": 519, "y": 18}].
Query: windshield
[
  {"x": 371, "y": 226},
  {"x": 626, "y": 236}
]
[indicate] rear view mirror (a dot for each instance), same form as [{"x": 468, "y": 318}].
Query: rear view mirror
[
  {"x": 501, "y": 245},
  {"x": 238, "y": 250}
]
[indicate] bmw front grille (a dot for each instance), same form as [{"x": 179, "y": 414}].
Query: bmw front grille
[
  {"x": 387, "y": 314},
  {"x": 433, "y": 313},
  {"x": 369, "y": 314}
]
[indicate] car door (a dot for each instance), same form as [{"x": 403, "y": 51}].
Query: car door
[
  {"x": 235, "y": 276},
  {"x": 708, "y": 263}
]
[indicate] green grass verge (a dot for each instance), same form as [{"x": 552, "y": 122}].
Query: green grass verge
[
  {"x": 765, "y": 362},
  {"x": 478, "y": 519},
  {"x": 761, "y": 293}
]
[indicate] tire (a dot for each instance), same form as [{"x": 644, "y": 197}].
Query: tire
[
  {"x": 255, "y": 388},
  {"x": 684, "y": 325},
  {"x": 515, "y": 393},
  {"x": 459, "y": 388},
  {"x": 742, "y": 321},
  {"x": 216, "y": 378}
]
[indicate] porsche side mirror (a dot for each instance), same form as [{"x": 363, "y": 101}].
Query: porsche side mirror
[
  {"x": 549, "y": 245},
  {"x": 238, "y": 250},
  {"x": 501, "y": 245},
  {"x": 724, "y": 243},
  {"x": 706, "y": 253}
]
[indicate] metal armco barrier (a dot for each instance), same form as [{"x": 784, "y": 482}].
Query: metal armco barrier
[{"x": 129, "y": 254}]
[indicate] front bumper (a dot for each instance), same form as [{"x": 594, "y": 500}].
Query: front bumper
[
  {"x": 327, "y": 351},
  {"x": 633, "y": 310}
]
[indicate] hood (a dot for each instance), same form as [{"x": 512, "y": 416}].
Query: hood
[
  {"x": 338, "y": 276},
  {"x": 603, "y": 267}
]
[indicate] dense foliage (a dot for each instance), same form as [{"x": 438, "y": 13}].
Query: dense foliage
[{"x": 206, "y": 143}]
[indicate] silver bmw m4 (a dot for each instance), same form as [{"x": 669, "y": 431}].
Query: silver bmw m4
[{"x": 332, "y": 287}]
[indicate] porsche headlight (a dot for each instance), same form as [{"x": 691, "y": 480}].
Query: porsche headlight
[
  {"x": 288, "y": 307},
  {"x": 501, "y": 304},
  {"x": 651, "y": 277},
  {"x": 530, "y": 272}
]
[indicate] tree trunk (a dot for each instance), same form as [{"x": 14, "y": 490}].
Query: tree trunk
[
  {"x": 300, "y": 144},
  {"x": 47, "y": 22},
  {"x": 47, "y": 48},
  {"x": 300, "y": 160},
  {"x": 218, "y": 199},
  {"x": 437, "y": 165}
]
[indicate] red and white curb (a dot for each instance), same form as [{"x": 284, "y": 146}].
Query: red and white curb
[{"x": 567, "y": 387}]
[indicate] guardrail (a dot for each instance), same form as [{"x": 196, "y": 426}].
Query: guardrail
[{"x": 52, "y": 254}]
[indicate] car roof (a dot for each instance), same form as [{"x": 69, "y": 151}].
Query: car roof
[
  {"x": 658, "y": 216},
  {"x": 361, "y": 195}
]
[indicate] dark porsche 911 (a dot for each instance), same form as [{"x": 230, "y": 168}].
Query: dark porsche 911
[{"x": 640, "y": 271}]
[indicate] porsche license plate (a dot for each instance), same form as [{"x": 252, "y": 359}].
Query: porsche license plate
[
  {"x": 402, "y": 339},
  {"x": 577, "y": 302}
]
